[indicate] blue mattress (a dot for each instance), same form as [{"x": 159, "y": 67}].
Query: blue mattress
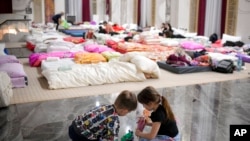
[{"x": 75, "y": 32}]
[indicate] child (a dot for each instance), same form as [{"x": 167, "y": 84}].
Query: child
[
  {"x": 102, "y": 122},
  {"x": 89, "y": 34},
  {"x": 163, "y": 123}
]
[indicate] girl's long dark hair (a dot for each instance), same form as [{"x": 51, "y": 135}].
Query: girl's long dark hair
[{"x": 150, "y": 94}]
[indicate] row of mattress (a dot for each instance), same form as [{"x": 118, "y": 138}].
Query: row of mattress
[{"x": 12, "y": 66}]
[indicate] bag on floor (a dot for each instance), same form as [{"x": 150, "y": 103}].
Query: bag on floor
[{"x": 224, "y": 66}]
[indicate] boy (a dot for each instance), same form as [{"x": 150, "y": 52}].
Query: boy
[{"x": 102, "y": 122}]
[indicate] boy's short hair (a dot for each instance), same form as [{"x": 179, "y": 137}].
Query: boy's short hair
[
  {"x": 126, "y": 100},
  {"x": 105, "y": 22}
]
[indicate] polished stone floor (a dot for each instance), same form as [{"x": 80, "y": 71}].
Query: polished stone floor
[{"x": 204, "y": 112}]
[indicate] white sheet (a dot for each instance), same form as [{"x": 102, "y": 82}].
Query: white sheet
[{"x": 93, "y": 74}]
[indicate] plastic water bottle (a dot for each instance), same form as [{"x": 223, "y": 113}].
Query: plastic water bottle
[{"x": 239, "y": 63}]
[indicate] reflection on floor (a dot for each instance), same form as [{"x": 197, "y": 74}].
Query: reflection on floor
[{"x": 203, "y": 112}]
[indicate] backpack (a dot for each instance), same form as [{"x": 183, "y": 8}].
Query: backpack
[
  {"x": 224, "y": 66},
  {"x": 213, "y": 38}
]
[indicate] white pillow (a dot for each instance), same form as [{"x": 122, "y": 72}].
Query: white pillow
[
  {"x": 191, "y": 34},
  {"x": 226, "y": 37},
  {"x": 129, "y": 55},
  {"x": 178, "y": 31},
  {"x": 2, "y": 47},
  {"x": 169, "y": 42},
  {"x": 146, "y": 65}
]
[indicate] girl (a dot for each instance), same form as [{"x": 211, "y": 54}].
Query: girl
[{"x": 163, "y": 122}]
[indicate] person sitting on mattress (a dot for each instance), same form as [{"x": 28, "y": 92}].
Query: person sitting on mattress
[
  {"x": 89, "y": 34},
  {"x": 109, "y": 28},
  {"x": 167, "y": 30},
  {"x": 102, "y": 122}
]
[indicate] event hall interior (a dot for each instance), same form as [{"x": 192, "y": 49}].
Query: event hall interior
[{"x": 49, "y": 76}]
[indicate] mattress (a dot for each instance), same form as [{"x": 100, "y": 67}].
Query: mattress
[
  {"x": 183, "y": 69},
  {"x": 6, "y": 91},
  {"x": 93, "y": 74},
  {"x": 75, "y": 32}
]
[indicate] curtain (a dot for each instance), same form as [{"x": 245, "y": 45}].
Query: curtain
[
  {"x": 213, "y": 17},
  {"x": 101, "y": 10},
  {"x": 49, "y": 10},
  {"x": 108, "y": 8},
  {"x": 143, "y": 13},
  {"x": 116, "y": 11},
  {"x": 223, "y": 17},
  {"x": 139, "y": 12},
  {"x": 85, "y": 10},
  {"x": 123, "y": 11},
  {"x": 201, "y": 17},
  {"x": 5, "y": 6},
  {"x": 74, "y": 8},
  {"x": 162, "y": 12}
]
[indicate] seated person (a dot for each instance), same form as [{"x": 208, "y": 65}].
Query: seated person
[
  {"x": 102, "y": 30},
  {"x": 89, "y": 34},
  {"x": 167, "y": 30},
  {"x": 108, "y": 28}
]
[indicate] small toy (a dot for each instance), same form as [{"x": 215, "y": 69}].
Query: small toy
[{"x": 128, "y": 136}]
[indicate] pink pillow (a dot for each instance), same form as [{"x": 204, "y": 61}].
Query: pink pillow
[
  {"x": 35, "y": 59},
  {"x": 190, "y": 45},
  {"x": 8, "y": 59},
  {"x": 14, "y": 70},
  {"x": 97, "y": 48}
]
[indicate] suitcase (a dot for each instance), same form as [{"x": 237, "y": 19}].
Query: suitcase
[{"x": 224, "y": 66}]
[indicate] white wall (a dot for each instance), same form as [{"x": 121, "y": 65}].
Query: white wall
[
  {"x": 19, "y": 7},
  {"x": 243, "y": 21},
  {"x": 59, "y": 6}
]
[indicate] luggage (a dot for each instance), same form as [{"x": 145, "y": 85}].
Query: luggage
[
  {"x": 224, "y": 66},
  {"x": 6, "y": 92}
]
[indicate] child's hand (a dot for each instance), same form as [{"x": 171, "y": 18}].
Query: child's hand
[
  {"x": 141, "y": 123},
  {"x": 137, "y": 132}
]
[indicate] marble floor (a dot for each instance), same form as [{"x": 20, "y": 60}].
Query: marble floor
[{"x": 204, "y": 112}]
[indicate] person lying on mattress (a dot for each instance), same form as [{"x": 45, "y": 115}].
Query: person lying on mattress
[
  {"x": 179, "y": 58},
  {"x": 102, "y": 122}
]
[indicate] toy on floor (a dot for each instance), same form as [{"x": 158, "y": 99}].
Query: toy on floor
[
  {"x": 142, "y": 120},
  {"x": 128, "y": 136}
]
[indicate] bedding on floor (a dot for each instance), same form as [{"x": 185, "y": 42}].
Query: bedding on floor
[
  {"x": 11, "y": 65},
  {"x": 183, "y": 69},
  {"x": 92, "y": 74},
  {"x": 75, "y": 32},
  {"x": 64, "y": 73}
]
